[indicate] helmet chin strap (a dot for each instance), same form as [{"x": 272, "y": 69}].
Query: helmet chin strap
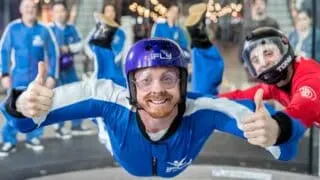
[{"x": 275, "y": 80}]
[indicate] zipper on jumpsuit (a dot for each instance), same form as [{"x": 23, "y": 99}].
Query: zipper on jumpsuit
[{"x": 154, "y": 166}]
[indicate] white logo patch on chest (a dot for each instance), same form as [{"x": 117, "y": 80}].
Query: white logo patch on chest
[
  {"x": 178, "y": 165},
  {"x": 37, "y": 41}
]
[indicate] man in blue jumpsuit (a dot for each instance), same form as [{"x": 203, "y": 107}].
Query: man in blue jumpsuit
[
  {"x": 25, "y": 42},
  {"x": 156, "y": 128},
  {"x": 69, "y": 41},
  {"x": 110, "y": 66},
  {"x": 170, "y": 29},
  {"x": 207, "y": 63}
]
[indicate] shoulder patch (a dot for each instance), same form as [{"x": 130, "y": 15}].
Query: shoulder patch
[{"x": 308, "y": 92}]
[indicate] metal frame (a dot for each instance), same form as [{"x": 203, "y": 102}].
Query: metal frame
[{"x": 314, "y": 134}]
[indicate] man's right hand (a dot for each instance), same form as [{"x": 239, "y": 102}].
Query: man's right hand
[
  {"x": 37, "y": 99},
  {"x": 6, "y": 82}
]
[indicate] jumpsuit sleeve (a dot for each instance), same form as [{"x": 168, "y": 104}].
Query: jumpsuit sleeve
[
  {"x": 77, "y": 44},
  {"x": 91, "y": 98},
  {"x": 227, "y": 117},
  {"x": 183, "y": 41},
  {"x": 87, "y": 47},
  {"x": 53, "y": 54},
  {"x": 5, "y": 50},
  {"x": 249, "y": 93},
  {"x": 118, "y": 44},
  {"x": 206, "y": 63},
  {"x": 155, "y": 31},
  {"x": 305, "y": 103}
]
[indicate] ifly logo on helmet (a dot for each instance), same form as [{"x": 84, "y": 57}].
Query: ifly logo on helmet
[
  {"x": 284, "y": 64},
  {"x": 162, "y": 55}
]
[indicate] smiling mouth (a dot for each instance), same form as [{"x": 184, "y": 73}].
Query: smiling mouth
[{"x": 158, "y": 102}]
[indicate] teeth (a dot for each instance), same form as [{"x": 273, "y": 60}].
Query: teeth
[{"x": 159, "y": 102}]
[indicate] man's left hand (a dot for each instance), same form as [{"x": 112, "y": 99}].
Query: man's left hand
[{"x": 259, "y": 128}]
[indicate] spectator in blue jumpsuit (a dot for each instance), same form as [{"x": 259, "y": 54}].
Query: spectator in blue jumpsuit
[
  {"x": 110, "y": 66},
  {"x": 69, "y": 41},
  {"x": 207, "y": 63},
  {"x": 170, "y": 29},
  {"x": 156, "y": 128},
  {"x": 25, "y": 42}
]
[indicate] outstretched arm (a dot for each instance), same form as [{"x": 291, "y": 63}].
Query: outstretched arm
[
  {"x": 118, "y": 44},
  {"x": 275, "y": 131},
  {"x": 75, "y": 101},
  {"x": 249, "y": 92}
]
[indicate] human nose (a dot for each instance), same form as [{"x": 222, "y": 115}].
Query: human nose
[{"x": 156, "y": 86}]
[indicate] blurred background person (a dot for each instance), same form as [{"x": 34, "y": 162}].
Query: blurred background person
[
  {"x": 207, "y": 63},
  {"x": 258, "y": 18},
  {"x": 301, "y": 37},
  {"x": 109, "y": 68},
  {"x": 25, "y": 42},
  {"x": 69, "y": 42},
  {"x": 169, "y": 27}
]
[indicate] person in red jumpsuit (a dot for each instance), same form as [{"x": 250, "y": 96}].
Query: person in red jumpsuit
[{"x": 294, "y": 81}]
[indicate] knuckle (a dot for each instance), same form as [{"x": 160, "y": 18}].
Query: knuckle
[
  {"x": 263, "y": 140},
  {"x": 32, "y": 87},
  {"x": 30, "y": 100},
  {"x": 31, "y": 106},
  {"x": 262, "y": 123},
  {"x": 252, "y": 142},
  {"x": 32, "y": 113},
  {"x": 50, "y": 92}
]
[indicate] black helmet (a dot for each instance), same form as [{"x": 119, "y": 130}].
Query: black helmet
[{"x": 267, "y": 54}]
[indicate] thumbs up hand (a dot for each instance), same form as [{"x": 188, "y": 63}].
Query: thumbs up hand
[
  {"x": 37, "y": 99},
  {"x": 259, "y": 128}
]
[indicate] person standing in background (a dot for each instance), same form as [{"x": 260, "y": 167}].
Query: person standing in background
[
  {"x": 25, "y": 42},
  {"x": 259, "y": 18},
  {"x": 69, "y": 41},
  {"x": 109, "y": 68},
  {"x": 301, "y": 37},
  {"x": 170, "y": 29}
]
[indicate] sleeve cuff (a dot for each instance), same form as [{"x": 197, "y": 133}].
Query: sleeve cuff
[
  {"x": 285, "y": 125},
  {"x": 10, "y": 103},
  {"x": 4, "y": 74}
]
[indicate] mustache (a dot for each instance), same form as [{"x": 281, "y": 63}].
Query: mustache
[{"x": 160, "y": 95}]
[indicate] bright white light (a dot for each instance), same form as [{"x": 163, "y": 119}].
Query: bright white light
[{"x": 139, "y": 20}]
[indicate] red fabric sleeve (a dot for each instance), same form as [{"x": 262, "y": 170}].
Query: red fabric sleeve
[
  {"x": 305, "y": 103},
  {"x": 248, "y": 93}
]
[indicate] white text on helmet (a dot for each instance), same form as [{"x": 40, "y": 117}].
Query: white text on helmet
[
  {"x": 162, "y": 55},
  {"x": 284, "y": 64}
]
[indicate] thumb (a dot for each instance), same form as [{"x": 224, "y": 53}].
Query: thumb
[
  {"x": 258, "y": 100},
  {"x": 42, "y": 73}
]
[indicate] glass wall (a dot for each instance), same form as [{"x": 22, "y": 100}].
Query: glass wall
[{"x": 228, "y": 21}]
